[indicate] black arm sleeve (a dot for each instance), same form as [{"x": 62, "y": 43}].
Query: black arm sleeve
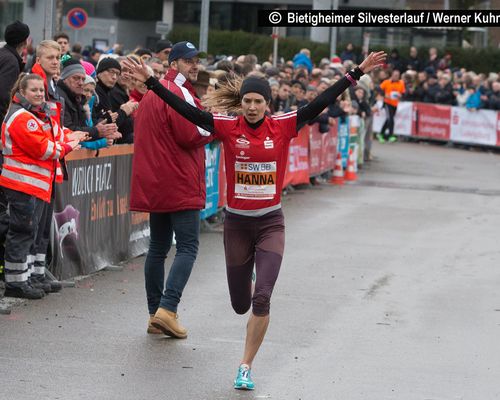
[
  {"x": 201, "y": 118},
  {"x": 310, "y": 111}
]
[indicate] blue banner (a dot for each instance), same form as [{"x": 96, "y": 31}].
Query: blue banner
[
  {"x": 212, "y": 159},
  {"x": 343, "y": 142}
]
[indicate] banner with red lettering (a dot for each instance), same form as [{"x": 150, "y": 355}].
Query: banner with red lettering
[
  {"x": 315, "y": 143},
  {"x": 455, "y": 124},
  {"x": 475, "y": 127}
]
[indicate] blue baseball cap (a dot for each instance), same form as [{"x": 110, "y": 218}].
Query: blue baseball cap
[{"x": 184, "y": 50}]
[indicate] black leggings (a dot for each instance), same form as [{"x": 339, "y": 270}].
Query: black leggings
[
  {"x": 389, "y": 123},
  {"x": 249, "y": 241}
]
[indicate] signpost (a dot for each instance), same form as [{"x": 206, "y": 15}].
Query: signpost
[
  {"x": 48, "y": 20},
  {"x": 162, "y": 28}
]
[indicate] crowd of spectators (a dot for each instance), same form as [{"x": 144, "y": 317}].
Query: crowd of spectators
[
  {"x": 103, "y": 101},
  {"x": 112, "y": 98}
]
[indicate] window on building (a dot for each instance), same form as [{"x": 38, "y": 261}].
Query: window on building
[
  {"x": 9, "y": 12},
  {"x": 224, "y": 15}
]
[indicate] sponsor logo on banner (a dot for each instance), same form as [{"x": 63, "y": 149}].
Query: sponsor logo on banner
[
  {"x": 433, "y": 121},
  {"x": 256, "y": 181},
  {"x": 475, "y": 127}
]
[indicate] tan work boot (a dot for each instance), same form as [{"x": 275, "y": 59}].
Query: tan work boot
[
  {"x": 151, "y": 329},
  {"x": 166, "y": 321}
]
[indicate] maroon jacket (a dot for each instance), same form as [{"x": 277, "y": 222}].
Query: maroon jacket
[{"x": 168, "y": 171}]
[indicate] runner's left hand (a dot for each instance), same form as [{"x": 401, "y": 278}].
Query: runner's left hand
[{"x": 374, "y": 60}]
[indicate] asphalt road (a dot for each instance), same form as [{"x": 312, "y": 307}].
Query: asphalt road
[{"x": 388, "y": 290}]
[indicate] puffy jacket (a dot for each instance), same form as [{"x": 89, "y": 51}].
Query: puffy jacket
[
  {"x": 168, "y": 171},
  {"x": 74, "y": 114},
  {"x": 31, "y": 150},
  {"x": 301, "y": 60}
]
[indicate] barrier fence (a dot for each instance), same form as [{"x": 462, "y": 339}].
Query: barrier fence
[
  {"x": 93, "y": 227},
  {"x": 446, "y": 123}
]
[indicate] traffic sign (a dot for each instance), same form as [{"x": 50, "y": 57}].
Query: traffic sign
[{"x": 77, "y": 18}]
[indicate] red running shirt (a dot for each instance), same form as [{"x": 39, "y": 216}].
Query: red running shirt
[{"x": 256, "y": 160}]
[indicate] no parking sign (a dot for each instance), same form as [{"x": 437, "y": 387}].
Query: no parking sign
[{"x": 77, "y": 18}]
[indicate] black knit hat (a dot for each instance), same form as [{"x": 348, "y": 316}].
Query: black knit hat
[
  {"x": 256, "y": 85},
  {"x": 16, "y": 33},
  {"x": 108, "y": 63}
]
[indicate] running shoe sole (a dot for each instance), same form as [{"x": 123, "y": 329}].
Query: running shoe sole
[{"x": 242, "y": 387}]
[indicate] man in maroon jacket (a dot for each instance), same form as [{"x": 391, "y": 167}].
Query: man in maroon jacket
[{"x": 168, "y": 182}]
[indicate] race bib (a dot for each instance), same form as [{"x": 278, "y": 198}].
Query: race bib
[
  {"x": 394, "y": 95},
  {"x": 255, "y": 181}
]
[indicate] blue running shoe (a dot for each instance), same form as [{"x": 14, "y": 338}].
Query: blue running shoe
[{"x": 243, "y": 380}]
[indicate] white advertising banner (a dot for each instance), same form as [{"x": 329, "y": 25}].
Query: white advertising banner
[
  {"x": 379, "y": 117},
  {"x": 404, "y": 119},
  {"x": 477, "y": 127}
]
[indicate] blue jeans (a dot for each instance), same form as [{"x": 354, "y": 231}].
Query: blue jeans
[{"x": 186, "y": 225}]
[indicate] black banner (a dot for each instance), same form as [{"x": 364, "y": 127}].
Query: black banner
[
  {"x": 414, "y": 18},
  {"x": 93, "y": 227}
]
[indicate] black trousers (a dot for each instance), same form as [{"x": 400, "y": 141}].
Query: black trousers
[
  {"x": 4, "y": 224},
  {"x": 24, "y": 215},
  {"x": 38, "y": 251}
]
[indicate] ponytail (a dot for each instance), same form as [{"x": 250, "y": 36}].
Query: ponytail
[{"x": 226, "y": 97}]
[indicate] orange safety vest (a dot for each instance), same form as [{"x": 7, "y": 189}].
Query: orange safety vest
[{"x": 31, "y": 151}]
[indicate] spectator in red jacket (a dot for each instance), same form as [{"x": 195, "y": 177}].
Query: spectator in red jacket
[{"x": 168, "y": 182}]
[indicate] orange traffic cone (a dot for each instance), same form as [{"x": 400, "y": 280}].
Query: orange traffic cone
[
  {"x": 350, "y": 173},
  {"x": 338, "y": 172}
]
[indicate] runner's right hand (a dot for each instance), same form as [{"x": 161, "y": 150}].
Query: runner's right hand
[{"x": 136, "y": 70}]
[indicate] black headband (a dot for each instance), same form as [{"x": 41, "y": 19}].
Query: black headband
[{"x": 256, "y": 85}]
